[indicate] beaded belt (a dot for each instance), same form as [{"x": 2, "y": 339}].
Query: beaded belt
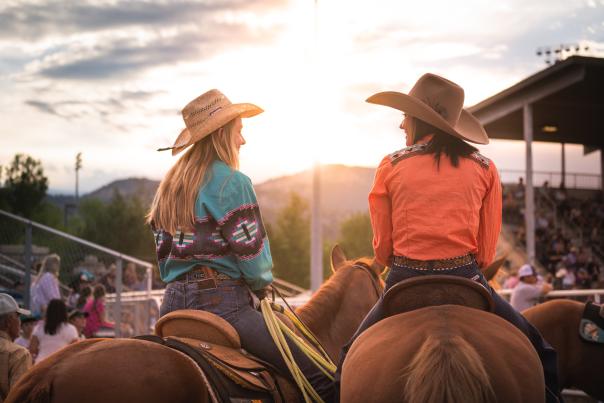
[{"x": 439, "y": 264}]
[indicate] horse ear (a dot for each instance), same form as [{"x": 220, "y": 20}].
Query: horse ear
[
  {"x": 338, "y": 257},
  {"x": 491, "y": 270}
]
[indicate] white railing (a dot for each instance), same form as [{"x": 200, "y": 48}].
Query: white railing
[{"x": 596, "y": 293}]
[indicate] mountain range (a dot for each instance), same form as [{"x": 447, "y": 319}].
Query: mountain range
[{"x": 343, "y": 192}]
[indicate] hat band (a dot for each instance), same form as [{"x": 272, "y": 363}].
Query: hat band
[
  {"x": 205, "y": 108},
  {"x": 206, "y": 118}
]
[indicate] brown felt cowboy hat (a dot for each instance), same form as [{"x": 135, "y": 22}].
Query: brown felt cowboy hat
[
  {"x": 207, "y": 113},
  {"x": 439, "y": 102}
]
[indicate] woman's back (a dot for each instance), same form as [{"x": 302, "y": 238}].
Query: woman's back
[
  {"x": 50, "y": 343},
  {"x": 435, "y": 211}
]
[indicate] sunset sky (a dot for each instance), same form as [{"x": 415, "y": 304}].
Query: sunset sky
[{"x": 108, "y": 78}]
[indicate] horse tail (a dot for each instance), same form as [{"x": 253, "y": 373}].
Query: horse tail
[{"x": 448, "y": 370}]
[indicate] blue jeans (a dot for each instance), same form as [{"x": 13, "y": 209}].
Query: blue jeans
[
  {"x": 232, "y": 301},
  {"x": 503, "y": 309}
]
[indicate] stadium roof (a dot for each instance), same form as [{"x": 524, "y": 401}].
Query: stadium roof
[{"x": 567, "y": 101}]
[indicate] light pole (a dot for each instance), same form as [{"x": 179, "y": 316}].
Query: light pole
[
  {"x": 316, "y": 238},
  {"x": 78, "y": 166}
]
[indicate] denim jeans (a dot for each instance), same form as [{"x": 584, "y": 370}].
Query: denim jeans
[
  {"x": 233, "y": 301},
  {"x": 503, "y": 309}
]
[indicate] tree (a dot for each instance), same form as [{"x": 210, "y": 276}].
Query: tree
[
  {"x": 290, "y": 242},
  {"x": 118, "y": 225},
  {"x": 356, "y": 235},
  {"x": 25, "y": 185}
]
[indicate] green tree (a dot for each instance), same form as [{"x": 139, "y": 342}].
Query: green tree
[
  {"x": 25, "y": 185},
  {"x": 290, "y": 242},
  {"x": 118, "y": 225},
  {"x": 356, "y": 235}
]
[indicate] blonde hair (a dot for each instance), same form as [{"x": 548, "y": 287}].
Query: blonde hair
[
  {"x": 173, "y": 206},
  {"x": 50, "y": 264}
]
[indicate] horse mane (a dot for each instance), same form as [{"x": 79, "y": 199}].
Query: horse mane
[{"x": 328, "y": 298}]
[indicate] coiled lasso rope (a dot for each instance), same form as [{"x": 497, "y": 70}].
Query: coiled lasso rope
[{"x": 277, "y": 328}]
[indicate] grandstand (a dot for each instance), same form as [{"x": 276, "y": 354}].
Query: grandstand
[{"x": 560, "y": 104}]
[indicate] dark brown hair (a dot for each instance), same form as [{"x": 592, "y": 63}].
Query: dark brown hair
[
  {"x": 442, "y": 142},
  {"x": 56, "y": 314}
]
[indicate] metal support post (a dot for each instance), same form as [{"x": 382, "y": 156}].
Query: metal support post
[
  {"x": 27, "y": 257},
  {"x": 529, "y": 210},
  {"x": 118, "y": 298}
]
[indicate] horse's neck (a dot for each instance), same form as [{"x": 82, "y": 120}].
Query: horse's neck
[{"x": 336, "y": 310}]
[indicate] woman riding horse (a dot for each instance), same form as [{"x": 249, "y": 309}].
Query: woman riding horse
[
  {"x": 435, "y": 205},
  {"x": 211, "y": 243}
]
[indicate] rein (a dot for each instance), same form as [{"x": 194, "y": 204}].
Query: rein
[{"x": 375, "y": 279}]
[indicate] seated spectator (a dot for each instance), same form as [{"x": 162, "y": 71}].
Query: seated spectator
[
  {"x": 108, "y": 280},
  {"x": 528, "y": 291},
  {"x": 131, "y": 279},
  {"x": 78, "y": 319},
  {"x": 519, "y": 190},
  {"x": 83, "y": 298},
  {"x": 27, "y": 327},
  {"x": 46, "y": 286},
  {"x": 567, "y": 277},
  {"x": 53, "y": 333},
  {"x": 512, "y": 280},
  {"x": 14, "y": 359},
  {"x": 95, "y": 308},
  {"x": 583, "y": 279},
  {"x": 81, "y": 280}
]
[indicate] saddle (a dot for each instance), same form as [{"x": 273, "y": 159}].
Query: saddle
[
  {"x": 233, "y": 375},
  {"x": 591, "y": 327},
  {"x": 421, "y": 292}
]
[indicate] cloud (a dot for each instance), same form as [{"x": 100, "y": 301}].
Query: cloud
[
  {"x": 43, "y": 107},
  {"x": 103, "y": 39},
  {"x": 35, "y": 20}
]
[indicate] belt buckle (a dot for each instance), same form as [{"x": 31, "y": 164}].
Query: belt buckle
[
  {"x": 196, "y": 276},
  {"x": 206, "y": 284}
]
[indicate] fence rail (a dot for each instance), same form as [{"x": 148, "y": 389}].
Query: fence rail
[
  {"x": 572, "y": 180},
  {"x": 11, "y": 235},
  {"x": 596, "y": 293}
]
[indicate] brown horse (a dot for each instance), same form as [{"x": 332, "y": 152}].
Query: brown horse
[
  {"x": 580, "y": 363},
  {"x": 127, "y": 370},
  {"x": 445, "y": 353}
]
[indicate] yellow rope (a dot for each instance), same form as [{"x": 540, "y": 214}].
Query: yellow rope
[
  {"x": 326, "y": 366},
  {"x": 308, "y": 334},
  {"x": 275, "y": 329}
]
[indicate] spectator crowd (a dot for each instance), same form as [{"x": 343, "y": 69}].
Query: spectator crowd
[{"x": 568, "y": 233}]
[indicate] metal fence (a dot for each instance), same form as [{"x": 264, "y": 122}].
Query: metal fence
[
  {"x": 24, "y": 243},
  {"x": 572, "y": 180}
]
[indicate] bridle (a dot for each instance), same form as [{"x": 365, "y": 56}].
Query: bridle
[{"x": 375, "y": 278}]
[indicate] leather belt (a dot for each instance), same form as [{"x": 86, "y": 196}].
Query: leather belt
[
  {"x": 204, "y": 276},
  {"x": 438, "y": 264}
]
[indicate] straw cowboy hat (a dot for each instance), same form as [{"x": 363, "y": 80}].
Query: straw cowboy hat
[
  {"x": 207, "y": 113},
  {"x": 439, "y": 102}
]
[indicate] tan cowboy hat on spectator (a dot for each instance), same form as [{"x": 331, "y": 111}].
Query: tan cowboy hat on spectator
[
  {"x": 439, "y": 102},
  {"x": 207, "y": 113}
]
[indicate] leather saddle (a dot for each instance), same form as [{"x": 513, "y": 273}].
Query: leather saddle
[
  {"x": 233, "y": 374},
  {"x": 421, "y": 292}
]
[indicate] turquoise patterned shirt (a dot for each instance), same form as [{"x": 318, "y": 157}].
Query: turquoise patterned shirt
[{"x": 229, "y": 235}]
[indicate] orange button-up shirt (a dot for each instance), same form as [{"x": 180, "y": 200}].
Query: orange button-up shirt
[{"x": 423, "y": 212}]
